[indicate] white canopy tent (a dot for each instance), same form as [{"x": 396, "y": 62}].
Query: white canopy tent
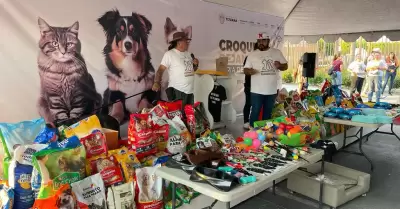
[{"x": 314, "y": 19}]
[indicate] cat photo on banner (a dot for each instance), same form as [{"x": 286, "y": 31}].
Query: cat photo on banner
[
  {"x": 130, "y": 73},
  {"x": 67, "y": 90}
]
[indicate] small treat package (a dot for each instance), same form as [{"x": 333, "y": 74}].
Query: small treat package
[
  {"x": 153, "y": 160},
  {"x": 129, "y": 163},
  {"x": 184, "y": 194},
  {"x": 140, "y": 135},
  {"x": 179, "y": 136},
  {"x": 95, "y": 144},
  {"x": 172, "y": 109},
  {"x": 196, "y": 118},
  {"x": 90, "y": 192},
  {"x": 207, "y": 143},
  {"x": 6, "y": 197},
  {"x": 108, "y": 168},
  {"x": 47, "y": 135},
  {"x": 121, "y": 197},
  {"x": 63, "y": 198},
  {"x": 150, "y": 188}
]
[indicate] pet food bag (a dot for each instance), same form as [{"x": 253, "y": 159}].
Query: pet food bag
[
  {"x": 121, "y": 197},
  {"x": 108, "y": 168},
  {"x": 172, "y": 109},
  {"x": 196, "y": 118},
  {"x": 47, "y": 135},
  {"x": 6, "y": 197},
  {"x": 95, "y": 144},
  {"x": 90, "y": 192},
  {"x": 12, "y": 134},
  {"x": 179, "y": 136},
  {"x": 84, "y": 127},
  {"x": 129, "y": 163},
  {"x": 58, "y": 167},
  {"x": 150, "y": 188},
  {"x": 20, "y": 174},
  {"x": 62, "y": 198},
  {"x": 141, "y": 136}
]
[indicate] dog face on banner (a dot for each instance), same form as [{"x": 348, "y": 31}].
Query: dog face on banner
[{"x": 170, "y": 28}]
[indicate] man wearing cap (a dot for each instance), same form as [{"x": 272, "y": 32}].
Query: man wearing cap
[
  {"x": 181, "y": 66},
  {"x": 264, "y": 66},
  {"x": 375, "y": 70}
]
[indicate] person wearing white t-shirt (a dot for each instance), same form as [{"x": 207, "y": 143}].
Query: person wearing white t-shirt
[
  {"x": 375, "y": 70},
  {"x": 181, "y": 66},
  {"x": 357, "y": 69},
  {"x": 264, "y": 66}
]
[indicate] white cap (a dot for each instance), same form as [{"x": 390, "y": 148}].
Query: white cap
[
  {"x": 262, "y": 35},
  {"x": 378, "y": 50}
]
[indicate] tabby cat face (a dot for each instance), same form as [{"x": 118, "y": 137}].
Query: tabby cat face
[{"x": 59, "y": 43}]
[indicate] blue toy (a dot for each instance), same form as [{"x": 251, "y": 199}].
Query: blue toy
[
  {"x": 247, "y": 179},
  {"x": 337, "y": 110},
  {"x": 330, "y": 115},
  {"x": 344, "y": 116}
]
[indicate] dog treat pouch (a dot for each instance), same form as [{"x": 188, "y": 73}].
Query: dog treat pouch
[
  {"x": 95, "y": 144},
  {"x": 109, "y": 170},
  {"x": 84, "y": 127},
  {"x": 122, "y": 196},
  {"x": 6, "y": 197},
  {"x": 150, "y": 188},
  {"x": 62, "y": 198},
  {"x": 90, "y": 192},
  {"x": 58, "y": 167},
  {"x": 141, "y": 136}
]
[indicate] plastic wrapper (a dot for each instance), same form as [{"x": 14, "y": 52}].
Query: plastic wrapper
[
  {"x": 141, "y": 136},
  {"x": 95, "y": 144},
  {"x": 172, "y": 109},
  {"x": 6, "y": 197},
  {"x": 90, "y": 192},
  {"x": 196, "y": 118},
  {"x": 121, "y": 197},
  {"x": 84, "y": 127},
  {"x": 62, "y": 198},
  {"x": 150, "y": 188},
  {"x": 109, "y": 170}
]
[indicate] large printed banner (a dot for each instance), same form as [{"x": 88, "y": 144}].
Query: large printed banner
[{"x": 62, "y": 59}]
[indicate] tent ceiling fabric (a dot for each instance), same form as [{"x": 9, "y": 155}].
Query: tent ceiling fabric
[{"x": 313, "y": 19}]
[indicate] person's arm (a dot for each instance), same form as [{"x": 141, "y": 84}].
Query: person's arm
[
  {"x": 248, "y": 67},
  {"x": 165, "y": 63},
  {"x": 383, "y": 66},
  {"x": 281, "y": 62}
]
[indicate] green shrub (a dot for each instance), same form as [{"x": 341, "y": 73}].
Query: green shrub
[
  {"x": 287, "y": 76},
  {"x": 320, "y": 76}
]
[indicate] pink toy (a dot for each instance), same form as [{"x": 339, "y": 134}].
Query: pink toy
[
  {"x": 251, "y": 134},
  {"x": 256, "y": 144}
]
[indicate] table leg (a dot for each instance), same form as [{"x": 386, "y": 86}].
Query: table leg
[
  {"x": 321, "y": 184},
  {"x": 173, "y": 185},
  {"x": 345, "y": 136},
  {"x": 228, "y": 205},
  {"x": 361, "y": 150},
  {"x": 391, "y": 128},
  {"x": 273, "y": 187}
]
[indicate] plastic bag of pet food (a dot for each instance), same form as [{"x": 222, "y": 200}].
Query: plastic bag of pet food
[
  {"x": 122, "y": 196},
  {"x": 172, "y": 109},
  {"x": 161, "y": 136},
  {"x": 6, "y": 197},
  {"x": 62, "y": 198},
  {"x": 71, "y": 142},
  {"x": 95, "y": 144},
  {"x": 153, "y": 160},
  {"x": 58, "y": 167},
  {"x": 196, "y": 118},
  {"x": 149, "y": 188},
  {"x": 90, "y": 192},
  {"x": 84, "y": 127},
  {"x": 129, "y": 163},
  {"x": 158, "y": 111},
  {"x": 168, "y": 198},
  {"x": 47, "y": 135},
  {"x": 109, "y": 170},
  {"x": 141, "y": 136}
]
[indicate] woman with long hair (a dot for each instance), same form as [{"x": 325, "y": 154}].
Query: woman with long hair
[
  {"x": 298, "y": 75},
  {"x": 337, "y": 65},
  {"x": 392, "y": 63}
]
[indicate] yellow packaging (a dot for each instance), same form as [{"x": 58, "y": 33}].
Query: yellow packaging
[
  {"x": 129, "y": 163},
  {"x": 84, "y": 127}
]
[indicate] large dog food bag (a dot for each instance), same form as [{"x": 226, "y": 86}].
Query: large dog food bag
[
  {"x": 62, "y": 198},
  {"x": 121, "y": 197},
  {"x": 90, "y": 192},
  {"x": 150, "y": 188}
]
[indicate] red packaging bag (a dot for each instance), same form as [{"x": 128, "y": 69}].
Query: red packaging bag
[
  {"x": 172, "y": 109},
  {"x": 141, "y": 135},
  {"x": 95, "y": 144},
  {"x": 109, "y": 170},
  {"x": 196, "y": 119},
  {"x": 161, "y": 137}
]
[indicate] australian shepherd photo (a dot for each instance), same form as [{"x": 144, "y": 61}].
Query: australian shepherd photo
[
  {"x": 129, "y": 68},
  {"x": 170, "y": 28}
]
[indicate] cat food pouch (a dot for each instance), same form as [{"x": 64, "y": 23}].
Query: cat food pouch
[
  {"x": 140, "y": 135},
  {"x": 58, "y": 167},
  {"x": 122, "y": 196},
  {"x": 6, "y": 197},
  {"x": 95, "y": 144},
  {"x": 149, "y": 187},
  {"x": 62, "y": 198},
  {"x": 90, "y": 192},
  {"x": 47, "y": 135},
  {"x": 129, "y": 163},
  {"x": 172, "y": 108},
  {"x": 109, "y": 170},
  {"x": 84, "y": 127}
]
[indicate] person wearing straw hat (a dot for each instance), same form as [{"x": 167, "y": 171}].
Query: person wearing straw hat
[
  {"x": 264, "y": 66},
  {"x": 181, "y": 66},
  {"x": 375, "y": 70}
]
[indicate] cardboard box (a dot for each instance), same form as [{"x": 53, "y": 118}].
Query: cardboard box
[
  {"x": 111, "y": 138},
  {"x": 222, "y": 64}
]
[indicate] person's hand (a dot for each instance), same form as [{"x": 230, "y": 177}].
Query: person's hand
[
  {"x": 277, "y": 64},
  {"x": 195, "y": 61},
  {"x": 249, "y": 71},
  {"x": 156, "y": 87},
  {"x": 392, "y": 71}
]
